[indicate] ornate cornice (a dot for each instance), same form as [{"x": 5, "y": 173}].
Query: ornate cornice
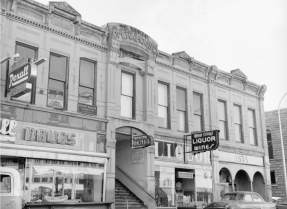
[
  {"x": 11, "y": 15},
  {"x": 187, "y": 73}
]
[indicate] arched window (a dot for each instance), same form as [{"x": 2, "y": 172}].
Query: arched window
[{"x": 270, "y": 146}]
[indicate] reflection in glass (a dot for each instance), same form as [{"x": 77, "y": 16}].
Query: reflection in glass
[
  {"x": 71, "y": 181},
  {"x": 85, "y": 95},
  {"x": 56, "y": 94}
]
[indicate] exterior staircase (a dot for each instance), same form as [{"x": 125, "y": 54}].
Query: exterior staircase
[{"x": 123, "y": 194}]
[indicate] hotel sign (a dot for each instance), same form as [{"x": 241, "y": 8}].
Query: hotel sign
[
  {"x": 21, "y": 73},
  {"x": 141, "y": 141}
]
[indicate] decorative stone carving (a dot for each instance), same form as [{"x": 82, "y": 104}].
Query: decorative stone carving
[
  {"x": 239, "y": 73},
  {"x": 30, "y": 13},
  {"x": 65, "y": 7},
  {"x": 182, "y": 55},
  {"x": 62, "y": 23},
  {"x": 181, "y": 63},
  {"x": 89, "y": 34},
  {"x": 128, "y": 34},
  {"x": 223, "y": 79},
  {"x": 261, "y": 91}
]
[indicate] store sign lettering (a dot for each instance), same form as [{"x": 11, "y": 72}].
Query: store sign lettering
[
  {"x": 204, "y": 141},
  {"x": 8, "y": 127},
  {"x": 241, "y": 159},
  {"x": 50, "y": 136},
  {"x": 178, "y": 153}
]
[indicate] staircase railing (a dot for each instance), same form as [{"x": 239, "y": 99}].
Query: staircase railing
[
  {"x": 123, "y": 198},
  {"x": 134, "y": 182}
]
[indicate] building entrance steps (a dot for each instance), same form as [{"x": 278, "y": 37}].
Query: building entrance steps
[{"x": 123, "y": 194}]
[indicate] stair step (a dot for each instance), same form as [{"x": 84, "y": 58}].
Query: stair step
[{"x": 122, "y": 194}]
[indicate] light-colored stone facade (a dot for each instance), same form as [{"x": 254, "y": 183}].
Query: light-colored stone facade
[{"x": 58, "y": 28}]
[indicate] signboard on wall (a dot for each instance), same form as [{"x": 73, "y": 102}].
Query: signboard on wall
[
  {"x": 87, "y": 109},
  {"x": 141, "y": 141},
  {"x": 7, "y": 130},
  {"x": 21, "y": 73},
  {"x": 137, "y": 156},
  {"x": 204, "y": 141}
]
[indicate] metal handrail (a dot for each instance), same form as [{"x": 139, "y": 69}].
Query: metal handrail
[
  {"x": 123, "y": 198},
  {"x": 134, "y": 181}
]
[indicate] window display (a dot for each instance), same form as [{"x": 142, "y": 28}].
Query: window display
[{"x": 56, "y": 181}]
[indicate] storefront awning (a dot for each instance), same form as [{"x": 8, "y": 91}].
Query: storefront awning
[{"x": 52, "y": 153}]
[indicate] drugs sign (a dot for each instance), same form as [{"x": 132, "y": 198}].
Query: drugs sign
[{"x": 205, "y": 141}]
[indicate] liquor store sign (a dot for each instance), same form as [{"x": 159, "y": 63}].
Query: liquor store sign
[
  {"x": 21, "y": 73},
  {"x": 204, "y": 141}
]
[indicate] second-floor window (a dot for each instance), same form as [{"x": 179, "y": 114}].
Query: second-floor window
[
  {"x": 87, "y": 82},
  {"x": 222, "y": 119},
  {"x": 57, "y": 85},
  {"x": 26, "y": 51},
  {"x": 127, "y": 95},
  {"x": 181, "y": 108},
  {"x": 197, "y": 111},
  {"x": 237, "y": 123},
  {"x": 269, "y": 143},
  {"x": 163, "y": 105},
  {"x": 252, "y": 127}
]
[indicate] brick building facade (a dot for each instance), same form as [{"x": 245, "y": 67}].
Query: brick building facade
[{"x": 275, "y": 150}]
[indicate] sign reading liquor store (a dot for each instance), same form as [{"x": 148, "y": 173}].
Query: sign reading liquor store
[{"x": 204, "y": 141}]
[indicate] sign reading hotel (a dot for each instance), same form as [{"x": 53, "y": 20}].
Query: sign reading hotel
[
  {"x": 204, "y": 141},
  {"x": 50, "y": 136},
  {"x": 141, "y": 141},
  {"x": 21, "y": 73}
]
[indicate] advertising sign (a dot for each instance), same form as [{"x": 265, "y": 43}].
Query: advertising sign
[
  {"x": 205, "y": 141},
  {"x": 21, "y": 73},
  {"x": 87, "y": 109},
  {"x": 141, "y": 141}
]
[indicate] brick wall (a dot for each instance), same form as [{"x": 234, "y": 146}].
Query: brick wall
[{"x": 272, "y": 123}]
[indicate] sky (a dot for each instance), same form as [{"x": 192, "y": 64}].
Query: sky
[{"x": 250, "y": 35}]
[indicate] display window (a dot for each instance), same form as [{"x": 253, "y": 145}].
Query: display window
[
  {"x": 164, "y": 187},
  {"x": 47, "y": 181},
  {"x": 203, "y": 181}
]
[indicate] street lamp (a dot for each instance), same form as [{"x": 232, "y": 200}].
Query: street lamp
[{"x": 282, "y": 144}]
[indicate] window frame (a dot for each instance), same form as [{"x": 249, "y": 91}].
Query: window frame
[
  {"x": 273, "y": 183},
  {"x": 268, "y": 144},
  {"x": 168, "y": 103},
  {"x": 134, "y": 94},
  {"x": 33, "y": 90},
  {"x": 201, "y": 109},
  {"x": 185, "y": 112},
  {"x": 95, "y": 80},
  {"x": 225, "y": 117},
  {"x": 241, "y": 128},
  {"x": 66, "y": 82},
  {"x": 254, "y": 128}
]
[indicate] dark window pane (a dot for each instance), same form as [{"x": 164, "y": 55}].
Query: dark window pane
[
  {"x": 86, "y": 95},
  {"x": 270, "y": 150},
  {"x": 180, "y": 99},
  {"x": 273, "y": 177},
  {"x": 160, "y": 148},
  {"x": 58, "y": 67},
  {"x": 56, "y": 85},
  {"x": 25, "y": 52},
  {"x": 87, "y": 74}
]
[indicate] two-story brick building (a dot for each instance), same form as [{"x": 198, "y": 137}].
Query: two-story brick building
[
  {"x": 275, "y": 150},
  {"x": 101, "y": 86}
]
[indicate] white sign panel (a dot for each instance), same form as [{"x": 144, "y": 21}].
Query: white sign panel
[{"x": 241, "y": 159}]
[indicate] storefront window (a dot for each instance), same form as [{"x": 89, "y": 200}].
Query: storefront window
[
  {"x": 203, "y": 181},
  {"x": 50, "y": 180},
  {"x": 164, "y": 187}
]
